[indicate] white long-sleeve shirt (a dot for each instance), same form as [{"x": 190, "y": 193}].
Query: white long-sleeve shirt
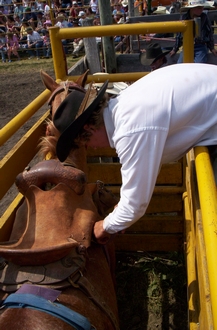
[{"x": 154, "y": 121}]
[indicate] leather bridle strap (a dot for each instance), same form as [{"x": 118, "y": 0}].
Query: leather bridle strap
[{"x": 70, "y": 86}]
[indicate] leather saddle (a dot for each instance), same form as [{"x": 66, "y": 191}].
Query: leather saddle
[{"x": 50, "y": 223}]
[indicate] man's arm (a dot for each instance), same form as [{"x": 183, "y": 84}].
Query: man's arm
[{"x": 140, "y": 155}]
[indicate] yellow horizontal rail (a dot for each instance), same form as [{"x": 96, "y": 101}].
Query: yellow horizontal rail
[
  {"x": 20, "y": 155},
  {"x": 9, "y": 129},
  {"x": 208, "y": 202},
  {"x": 123, "y": 29},
  {"x": 57, "y": 34}
]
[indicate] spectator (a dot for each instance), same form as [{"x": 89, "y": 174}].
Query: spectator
[
  {"x": 46, "y": 9},
  {"x": 119, "y": 17},
  {"x": 80, "y": 3},
  {"x": 3, "y": 21},
  {"x": 96, "y": 21},
  {"x": 124, "y": 4},
  {"x": 46, "y": 44},
  {"x": 4, "y": 10},
  {"x": 34, "y": 41},
  {"x": 62, "y": 23},
  {"x": 2, "y": 45},
  {"x": 18, "y": 9},
  {"x": 30, "y": 17},
  {"x": 81, "y": 16},
  {"x": 12, "y": 45},
  {"x": 23, "y": 32},
  {"x": 65, "y": 4},
  {"x": 161, "y": 10},
  {"x": 10, "y": 23},
  {"x": 78, "y": 44},
  {"x": 26, "y": 3},
  {"x": 70, "y": 21},
  {"x": 17, "y": 24},
  {"x": 40, "y": 23},
  {"x": 47, "y": 24},
  {"x": 94, "y": 6},
  {"x": 113, "y": 89},
  {"x": 89, "y": 13},
  {"x": 203, "y": 42},
  {"x": 154, "y": 57},
  {"x": 118, "y": 8},
  {"x": 74, "y": 9},
  {"x": 41, "y": 5}
]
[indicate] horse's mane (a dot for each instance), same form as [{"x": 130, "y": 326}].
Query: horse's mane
[{"x": 48, "y": 142}]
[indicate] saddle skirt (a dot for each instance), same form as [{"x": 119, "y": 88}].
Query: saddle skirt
[{"x": 50, "y": 223}]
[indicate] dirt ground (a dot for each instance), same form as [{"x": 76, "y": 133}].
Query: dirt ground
[{"x": 151, "y": 288}]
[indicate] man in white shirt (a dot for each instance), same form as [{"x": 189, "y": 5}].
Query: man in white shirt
[
  {"x": 156, "y": 120},
  {"x": 34, "y": 40}
]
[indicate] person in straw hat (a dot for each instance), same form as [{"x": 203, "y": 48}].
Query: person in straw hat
[
  {"x": 203, "y": 43},
  {"x": 161, "y": 10},
  {"x": 154, "y": 56},
  {"x": 113, "y": 89},
  {"x": 154, "y": 121}
]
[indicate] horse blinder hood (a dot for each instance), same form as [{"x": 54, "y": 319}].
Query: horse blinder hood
[{"x": 71, "y": 116}]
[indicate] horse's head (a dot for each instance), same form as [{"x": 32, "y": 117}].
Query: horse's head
[{"x": 60, "y": 91}]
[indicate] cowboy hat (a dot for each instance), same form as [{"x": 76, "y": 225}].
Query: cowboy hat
[
  {"x": 198, "y": 3},
  {"x": 48, "y": 22},
  {"x": 112, "y": 88},
  {"x": 72, "y": 114},
  {"x": 119, "y": 13},
  {"x": 81, "y": 13},
  {"x": 60, "y": 16},
  {"x": 124, "y": 3},
  {"x": 153, "y": 53},
  {"x": 161, "y": 10}
]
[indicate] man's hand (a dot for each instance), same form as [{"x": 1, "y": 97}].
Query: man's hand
[
  {"x": 100, "y": 234},
  {"x": 172, "y": 53},
  {"x": 214, "y": 51}
]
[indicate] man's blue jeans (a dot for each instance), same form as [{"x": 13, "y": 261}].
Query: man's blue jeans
[
  {"x": 38, "y": 46},
  {"x": 200, "y": 54}
]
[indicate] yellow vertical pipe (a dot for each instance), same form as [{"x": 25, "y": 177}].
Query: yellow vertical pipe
[
  {"x": 188, "y": 43},
  {"x": 208, "y": 202},
  {"x": 193, "y": 314},
  {"x": 58, "y": 54}
]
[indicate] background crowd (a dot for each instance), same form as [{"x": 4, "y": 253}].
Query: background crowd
[{"x": 24, "y": 24}]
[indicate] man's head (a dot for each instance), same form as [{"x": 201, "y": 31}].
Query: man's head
[
  {"x": 154, "y": 56},
  {"x": 73, "y": 113},
  {"x": 60, "y": 17},
  {"x": 29, "y": 30}
]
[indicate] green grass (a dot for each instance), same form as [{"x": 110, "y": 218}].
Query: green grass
[{"x": 33, "y": 65}]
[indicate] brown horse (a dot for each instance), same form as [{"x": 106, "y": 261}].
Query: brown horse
[{"x": 53, "y": 275}]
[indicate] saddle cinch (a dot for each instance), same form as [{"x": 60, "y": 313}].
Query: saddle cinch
[{"x": 50, "y": 222}]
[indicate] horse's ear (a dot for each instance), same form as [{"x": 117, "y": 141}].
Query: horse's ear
[
  {"x": 48, "y": 81},
  {"x": 81, "y": 81}
]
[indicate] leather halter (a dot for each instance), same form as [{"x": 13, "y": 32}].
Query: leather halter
[{"x": 70, "y": 86}]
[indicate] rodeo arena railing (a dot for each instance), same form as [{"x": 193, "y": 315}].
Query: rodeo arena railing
[{"x": 199, "y": 198}]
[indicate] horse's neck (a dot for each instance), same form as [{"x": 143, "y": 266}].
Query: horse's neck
[{"x": 78, "y": 158}]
